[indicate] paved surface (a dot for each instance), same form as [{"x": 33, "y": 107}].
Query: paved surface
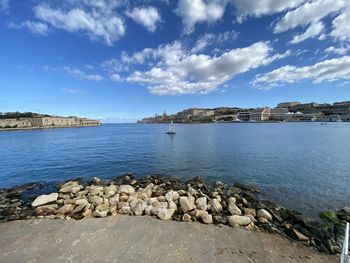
[{"x": 143, "y": 239}]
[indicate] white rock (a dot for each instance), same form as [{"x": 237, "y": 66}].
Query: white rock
[
  {"x": 202, "y": 203},
  {"x": 204, "y": 216},
  {"x": 127, "y": 189},
  {"x": 137, "y": 210},
  {"x": 149, "y": 210},
  {"x": 65, "y": 209},
  {"x": 264, "y": 214},
  {"x": 71, "y": 189},
  {"x": 192, "y": 191},
  {"x": 216, "y": 207},
  {"x": 233, "y": 209},
  {"x": 172, "y": 205},
  {"x": 238, "y": 220},
  {"x": 95, "y": 200},
  {"x": 163, "y": 213},
  {"x": 126, "y": 210},
  {"x": 172, "y": 196},
  {"x": 94, "y": 189},
  {"x": 97, "y": 213},
  {"x": 45, "y": 199},
  {"x": 114, "y": 199},
  {"x": 187, "y": 203}
]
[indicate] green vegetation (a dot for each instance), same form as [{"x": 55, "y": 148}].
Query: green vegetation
[
  {"x": 17, "y": 115},
  {"x": 329, "y": 216}
]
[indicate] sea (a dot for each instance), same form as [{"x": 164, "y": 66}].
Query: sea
[{"x": 302, "y": 166}]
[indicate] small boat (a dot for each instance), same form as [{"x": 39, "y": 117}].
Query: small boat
[{"x": 171, "y": 130}]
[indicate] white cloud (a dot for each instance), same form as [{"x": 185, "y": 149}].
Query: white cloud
[
  {"x": 209, "y": 39},
  {"x": 338, "y": 50},
  {"x": 147, "y": 16},
  {"x": 96, "y": 24},
  {"x": 37, "y": 28},
  {"x": 307, "y": 13},
  {"x": 312, "y": 31},
  {"x": 199, "y": 11},
  {"x": 4, "y": 5},
  {"x": 192, "y": 73},
  {"x": 115, "y": 77},
  {"x": 259, "y": 8},
  {"x": 341, "y": 26},
  {"x": 328, "y": 70},
  {"x": 81, "y": 74},
  {"x": 71, "y": 91}
]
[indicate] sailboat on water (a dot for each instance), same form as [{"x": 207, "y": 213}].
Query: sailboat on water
[{"x": 171, "y": 129}]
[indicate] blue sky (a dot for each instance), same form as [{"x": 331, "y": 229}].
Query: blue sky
[{"x": 123, "y": 60}]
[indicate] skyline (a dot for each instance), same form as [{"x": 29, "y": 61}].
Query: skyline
[{"x": 122, "y": 61}]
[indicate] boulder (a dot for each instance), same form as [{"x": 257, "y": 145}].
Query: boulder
[
  {"x": 202, "y": 203},
  {"x": 172, "y": 196},
  {"x": 65, "y": 209},
  {"x": 262, "y": 213},
  {"x": 46, "y": 209},
  {"x": 95, "y": 189},
  {"x": 187, "y": 203},
  {"x": 126, "y": 210},
  {"x": 216, "y": 207},
  {"x": 238, "y": 220},
  {"x": 126, "y": 189},
  {"x": 137, "y": 210},
  {"x": 73, "y": 188},
  {"x": 172, "y": 205},
  {"x": 95, "y": 200},
  {"x": 45, "y": 199},
  {"x": 298, "y": 235},
  {"x": 98, "y": 213},
  {"x": 232, "y": 208},
  {"x": 249, "y": 211},
  {"x": 186, "y": 218},
  {"x": 114, "y": 200},
  {"x": 163, "y": 213},
  {"x": 203, "y": 216}
]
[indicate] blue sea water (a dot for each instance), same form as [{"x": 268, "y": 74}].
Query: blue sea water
[{"x": 304, "y": 166}]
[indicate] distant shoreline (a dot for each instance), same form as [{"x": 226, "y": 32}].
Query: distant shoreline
[{"x": 44, "y": 128}]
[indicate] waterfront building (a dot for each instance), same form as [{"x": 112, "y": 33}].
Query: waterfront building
[
  {"x": 15, "y": 123},
  {"x": 261, "y": 114},
  {"x": 287, "y": 104},
  {"x": 345, "y": 118},
  {"x": 243, "y": 116},
  {"x": 280, "y": 114},
  {"x": 332, "y": 118}
]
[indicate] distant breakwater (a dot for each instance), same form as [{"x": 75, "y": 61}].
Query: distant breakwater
[{"x": 171, "y": 199}]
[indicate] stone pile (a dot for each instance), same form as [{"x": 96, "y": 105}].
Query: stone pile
[{"x": 169, "y": 199}]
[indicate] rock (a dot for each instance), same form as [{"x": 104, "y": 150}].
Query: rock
[
  {"x": 123, "y": 204},
  {"x": 202, "y": 203},
  {"x": 126, "y": 189},
  {"x": 233, "y": 191},
  {"x": 81, "y": 204},
  {"x": 126, "y": 210},
  {"x": 98, "y": 213},
  {"x": 186, "y": 218},
  {"x": 65, "y": 209},
  {"x": 95, "y": 200},
  {"x": 114, "y": 200},
  {"x": 163, "y": 213},
  {"x": 298, "y": 235},
  {"x": 187, "y": 203},
  {"x": 87, "y": 213},
  {"x": 218, "y": 219},
  {"x": 216, "y": 207},
  {"x": 192, "y": 192},
  {"x": 172, "y": 196},
  {"x": 45, "y": 199},
  {"x": 328, "y": 216},
  {"x": 161, "y": 198},
  {"x": 71, "y": 189},
  {"x": 95, "y": 189},
  {"x": 97, "y": 180},
  {"x": 247, "y": 187},
  {"x": 263, "y": 220},
  {"x": 137, "y": 211},
  {"x": 262, "y": 213},
  {"x": 252, "y": 218},
  {"x": 250, "y": 227},
  {"x": 172, "y": 205},
  {"x": 238, "y": 220},
  {"x": 69, "y": 183},
  {"x": 232, "y": 208},
  {"x": 149, "y": 210},
  {"x": 249, "y": 211},
  {"x": 203, "y": 216},
  {"x": 46, "y": 209}
]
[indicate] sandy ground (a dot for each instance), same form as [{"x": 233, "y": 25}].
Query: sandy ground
[{"x": 144, "y": 239}]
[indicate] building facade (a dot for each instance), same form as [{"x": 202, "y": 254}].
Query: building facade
[{"x": 262, "y": 114}]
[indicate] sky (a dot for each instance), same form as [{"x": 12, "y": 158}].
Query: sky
[{"x": 121, "y": 60}]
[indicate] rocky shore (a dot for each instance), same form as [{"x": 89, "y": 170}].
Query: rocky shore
[{"x": 170, "y": 199}]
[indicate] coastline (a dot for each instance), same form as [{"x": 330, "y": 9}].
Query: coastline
[
  {"x": 169, "y": 199},
  {"x": 45, "y": 128}
]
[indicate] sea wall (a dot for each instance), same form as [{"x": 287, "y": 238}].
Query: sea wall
[{"x": 166, "y": 198}]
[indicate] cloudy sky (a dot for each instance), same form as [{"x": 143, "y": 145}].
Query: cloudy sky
[{"x": 123, "y": 60}]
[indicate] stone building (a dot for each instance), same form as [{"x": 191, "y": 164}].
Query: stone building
[
  {"x": 15, "y": 123},
  {"x": 262, "y": 114}
]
